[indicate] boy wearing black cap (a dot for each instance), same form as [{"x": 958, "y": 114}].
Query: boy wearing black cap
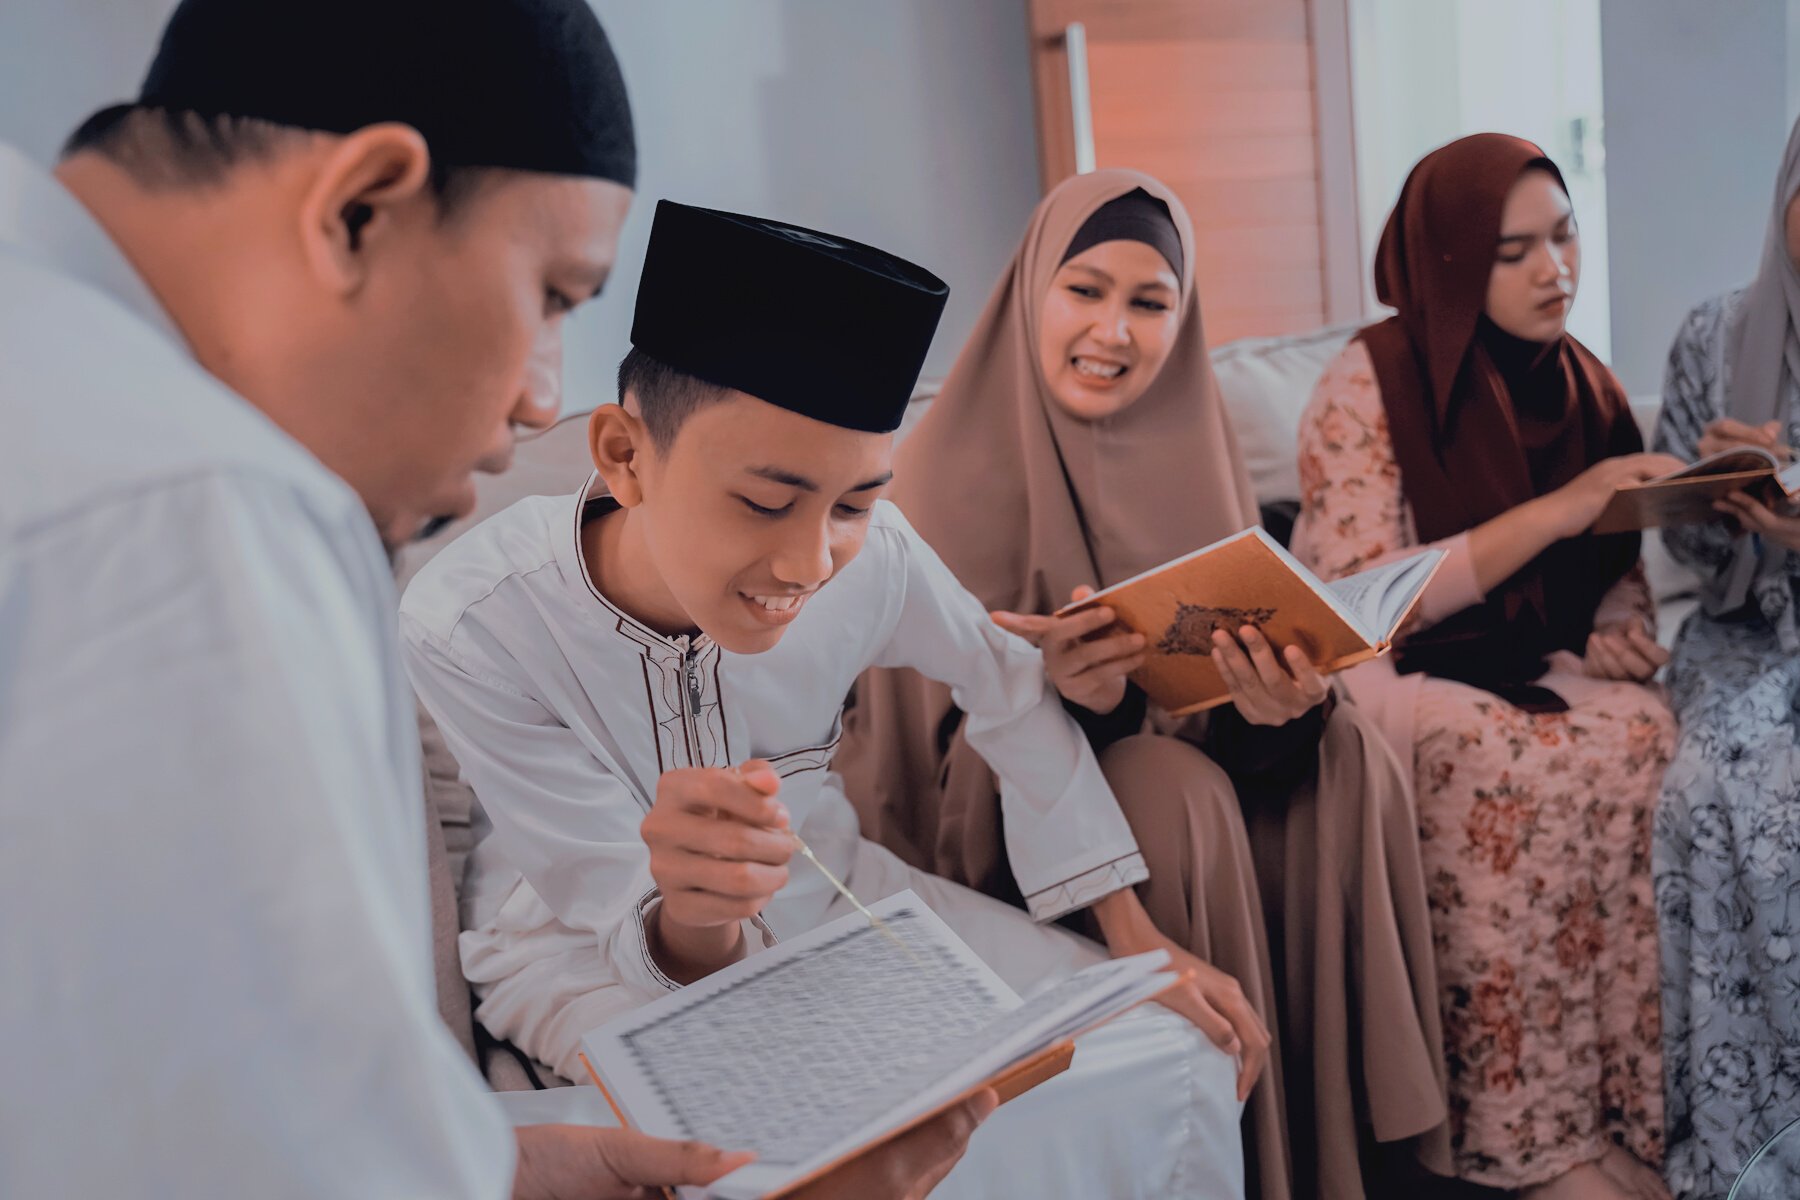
[
  {"x": 644, "y": 684},
  {"x": 312, "y": 277}
]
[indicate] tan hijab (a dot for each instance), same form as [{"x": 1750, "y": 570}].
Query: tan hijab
[{"x": 1024, "y": 503}]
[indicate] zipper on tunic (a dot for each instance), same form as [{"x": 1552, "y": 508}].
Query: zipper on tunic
[{"x": 690, "y": 710}]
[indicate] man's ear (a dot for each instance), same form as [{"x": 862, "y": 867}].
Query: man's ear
[
  {"x": 619, "y": 441},
  {"x": 356, "y": 198}
]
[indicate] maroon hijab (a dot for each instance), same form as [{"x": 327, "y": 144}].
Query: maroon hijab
[{"x": 1482, "y": 421}]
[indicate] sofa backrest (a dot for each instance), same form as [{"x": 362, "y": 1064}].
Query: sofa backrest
[{"x": 1266, "y": 384}]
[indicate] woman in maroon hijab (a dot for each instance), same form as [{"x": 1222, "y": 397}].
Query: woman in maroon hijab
[{"x": 1472, "y": 421}]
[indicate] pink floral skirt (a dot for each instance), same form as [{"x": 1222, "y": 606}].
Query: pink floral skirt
[{"x": 1535, "y": 837}]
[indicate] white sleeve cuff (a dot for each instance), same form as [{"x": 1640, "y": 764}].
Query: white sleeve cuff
[
  {"x": 1059, "y": 899},
  {"x": 637, "y": 966}
]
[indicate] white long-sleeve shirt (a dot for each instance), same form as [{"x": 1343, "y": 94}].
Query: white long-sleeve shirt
[
  {"x": 215, "y": 974},
  {"x": 564, "y": 711}
]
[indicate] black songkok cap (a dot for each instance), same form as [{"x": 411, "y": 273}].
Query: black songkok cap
[
  {"x": 527, "y": 84},
  {"x": 810, "y": 322},
  {"x": 1137, "y": 216}
]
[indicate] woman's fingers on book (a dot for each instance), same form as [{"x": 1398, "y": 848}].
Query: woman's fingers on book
[
  {"x": 1267, "y": 689},
  {"x": 1032, "y": 628},
  {"x": 1222, "y": 1011},
  {"x": 1313, "y": 685},
  {"x": 1083, "y": 624},
  {"x": 1728, "y": 434},
  {"x": 1262, "y": 657},
  {"x": 1188, "y": 1002},
  {"x": 1647, "y": 645},
  {"x": 1644, "y": 652},
  {"x": 1637, "y": 468},
  {"x": 1282, "y": 686},
  {"x": 1253, "y": 1035},
  {"x": 1731, "y": 430},
  {"x": 1599, "y": 661},
  {"x": 1623, "y": 652},
  {"x": 1100, "y": 652}
]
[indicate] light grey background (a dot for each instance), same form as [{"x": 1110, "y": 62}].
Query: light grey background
[
  {"x": 1699, "y": 98},
  {"x": 908, "y": 125}
]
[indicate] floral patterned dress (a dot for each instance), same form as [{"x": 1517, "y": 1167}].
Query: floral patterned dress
[
  {"x": 1535, "y": 834},
  {"x": 1728, "y": 829}
]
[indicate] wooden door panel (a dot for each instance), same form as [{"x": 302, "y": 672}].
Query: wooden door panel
[
  {"x": 1152, "y": 71},
  {"x": 1230, "y": 157},
  {"x": 1218, "y": 98},
  {"x": 1275, "y": 246},
  {"x": 1229, "y": 324},
  {"x": 1231, "y": 114},
  {"x": 1235, "y": 203}
]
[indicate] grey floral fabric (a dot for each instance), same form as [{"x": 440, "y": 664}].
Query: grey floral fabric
[
  {"x": 1775, "y": 1175},
  {"x": 1727, "y": 838}
]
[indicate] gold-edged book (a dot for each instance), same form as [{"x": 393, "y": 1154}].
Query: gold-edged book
[
  {"x": 816, "y": 1050},
  {"x": 1685, "y": 497},
  {"x": 1250, "y": 579}
]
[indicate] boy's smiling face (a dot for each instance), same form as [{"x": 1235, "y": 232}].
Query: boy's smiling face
[{"x": 735, "y": 524}]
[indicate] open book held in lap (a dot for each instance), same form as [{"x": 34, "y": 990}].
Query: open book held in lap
[
  {"x": 833, "y": 1042},
  {"x": 1249, "y": 579},
  {"x": 1685, "y": 497}
]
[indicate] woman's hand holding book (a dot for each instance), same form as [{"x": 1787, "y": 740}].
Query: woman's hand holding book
[{"x": 1086, "y": 661}]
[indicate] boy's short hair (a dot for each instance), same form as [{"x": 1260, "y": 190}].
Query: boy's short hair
[
  {"x": 165, "y": 148},
  {"x": 666, "y": 397}
]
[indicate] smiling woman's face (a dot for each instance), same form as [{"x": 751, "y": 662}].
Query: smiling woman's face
[{"x": 1106, "y": 327}]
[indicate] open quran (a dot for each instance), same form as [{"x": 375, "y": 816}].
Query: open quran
[
  {"x": 1250, "y": 579},
  {"x": 1685, "y": 497},
  {"x": 825, "y": 1045}
]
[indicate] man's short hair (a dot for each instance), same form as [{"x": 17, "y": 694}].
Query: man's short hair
[
  {"x": 666, "y": 397},
  {"x": 164, "y": 149}
]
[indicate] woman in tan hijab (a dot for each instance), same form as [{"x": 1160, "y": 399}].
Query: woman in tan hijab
[{"x": 1078, "y": 441}]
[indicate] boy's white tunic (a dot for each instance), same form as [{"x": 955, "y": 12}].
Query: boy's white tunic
[{"x": 564, "y": 712}]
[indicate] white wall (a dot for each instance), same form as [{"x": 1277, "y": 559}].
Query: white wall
[
  {"x": 1697, "y": 112},
  {"x": 1426, "y": 72},
  {"x": 906, "y": 125}
]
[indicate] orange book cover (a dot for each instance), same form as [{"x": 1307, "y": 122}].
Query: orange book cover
[{"x": 1246, "y": 579}]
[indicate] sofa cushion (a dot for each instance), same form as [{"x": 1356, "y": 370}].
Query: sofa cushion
[{"x": 1266, "y": 384}]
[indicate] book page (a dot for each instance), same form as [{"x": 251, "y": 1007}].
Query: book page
[
  {"x": 799, "y": 1049},
  {"x": 1380, "y": 596},
  {"x": 818, "y": 1046},
  {"x": 1726, "y": 462}
]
